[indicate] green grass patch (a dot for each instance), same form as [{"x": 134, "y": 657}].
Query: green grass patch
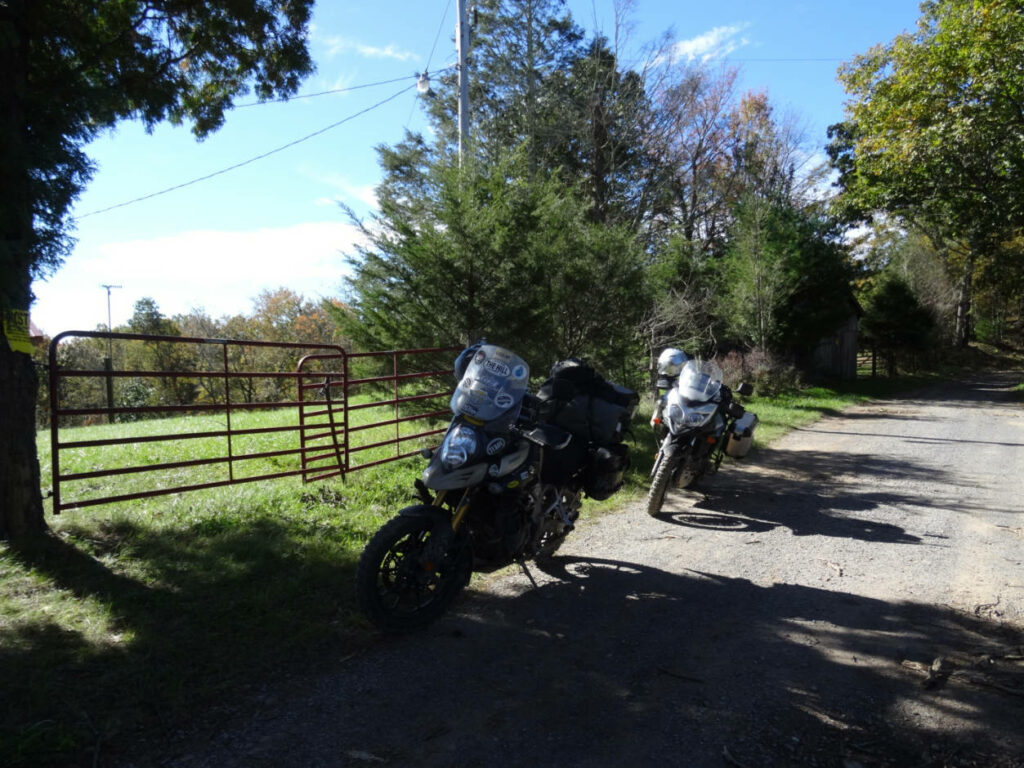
[{"x": 131, "y": 617}]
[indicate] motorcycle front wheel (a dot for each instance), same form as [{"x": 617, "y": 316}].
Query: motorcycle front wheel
[
  {"x": 406, "y": 579},
  {"x": 660, "y": 483},
  {"x": 682, "y": 470}
]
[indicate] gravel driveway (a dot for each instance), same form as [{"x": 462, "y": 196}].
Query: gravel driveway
[{"x": 851, "y": 596}]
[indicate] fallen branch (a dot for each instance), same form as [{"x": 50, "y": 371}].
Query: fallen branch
[
  {"x": 730, "y": 759},
  {"x": 678, "y": 676}
]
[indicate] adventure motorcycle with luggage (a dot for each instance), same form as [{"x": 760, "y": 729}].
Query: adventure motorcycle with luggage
[
  {"x": 702, "y": 423},
  {"x": 506, "y": 483}
]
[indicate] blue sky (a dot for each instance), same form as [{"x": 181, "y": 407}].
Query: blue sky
[{"x": 275, "y": 222}]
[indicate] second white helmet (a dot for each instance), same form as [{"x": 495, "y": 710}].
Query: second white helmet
[{"x": 671, "y": 361}]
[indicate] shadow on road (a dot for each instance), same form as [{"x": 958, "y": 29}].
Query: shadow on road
[
  {"x": 631, "y": 665},
  {"x": 798, "y": 490}
]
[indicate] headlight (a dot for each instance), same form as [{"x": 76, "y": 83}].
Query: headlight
[
  {"x": 459, "y": 444},
  {"x": 699, "y": 414},
  {"x": 675, "y": 417},
  {"x": 691, "y": 416}
]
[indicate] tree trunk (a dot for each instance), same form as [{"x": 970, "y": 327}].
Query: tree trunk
[
  {"x": 962, "y": 331},
  {"x": 21, "y": 505}
]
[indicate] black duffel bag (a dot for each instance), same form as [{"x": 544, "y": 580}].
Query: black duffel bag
[{"x": 579, "y": 400}]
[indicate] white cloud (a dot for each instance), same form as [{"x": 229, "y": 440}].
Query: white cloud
[
  {"x": 340, "y": 83},
  {"x": 714, "y": 44},
  {"x": 349, "y": 192},
  {"x": 219, "y": 271},
  {"x": 337, "y": 45}
]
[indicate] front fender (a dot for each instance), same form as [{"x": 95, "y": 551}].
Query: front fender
[
  {"x": 665, "y": 451},
  {"x": 438, "y": 515}
]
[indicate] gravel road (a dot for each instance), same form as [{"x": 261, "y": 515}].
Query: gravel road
[{"x": 850, "y": 596}]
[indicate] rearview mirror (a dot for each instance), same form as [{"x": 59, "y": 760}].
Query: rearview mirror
[{"x": 745, "y": 389}]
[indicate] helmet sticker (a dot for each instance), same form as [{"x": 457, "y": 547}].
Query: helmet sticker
[
  {"x": 504, "y": 400},
  {"x": 496, "y": 367}
]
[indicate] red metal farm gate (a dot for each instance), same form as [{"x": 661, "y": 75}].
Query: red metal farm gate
[{"x": 330, "y": 413}]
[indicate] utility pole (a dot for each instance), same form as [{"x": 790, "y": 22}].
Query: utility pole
[
  {"x": 108, "y": 361},
  {"x": 462, "y": 50},
  {"x": 110, "y": 328}
]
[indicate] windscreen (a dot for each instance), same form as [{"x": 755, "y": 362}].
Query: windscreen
[
  {"x": 495, "y": 381},
  {"x": 700, "y": 380}
]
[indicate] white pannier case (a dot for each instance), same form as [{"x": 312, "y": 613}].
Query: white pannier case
[{"x": 742, "y": 437}]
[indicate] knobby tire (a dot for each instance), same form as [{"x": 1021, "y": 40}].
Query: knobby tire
[
  {"x": 660, "y": 483},
  {"x": 395, "y": 589}
]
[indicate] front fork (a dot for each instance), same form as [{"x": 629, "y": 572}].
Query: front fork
[
  {"x": 711, "y": 450},
  {"x": 438, "y": 501}
]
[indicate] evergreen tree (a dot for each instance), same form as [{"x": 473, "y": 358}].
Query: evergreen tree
[
  {"x": 895, "y": 322},
  {"x": 495, "y": 254},
  {"x": 785, "y": 281},
  {"x": 532, "y": 242}
]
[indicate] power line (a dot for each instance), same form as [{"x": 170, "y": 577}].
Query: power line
[
  {"x": 250, "y": 160},
  {"x": 437, "y": 37},
  {"x": 327, "y": 93},
  {"x": 781, "y": 61},
  {"x": 425, "y": 75}
]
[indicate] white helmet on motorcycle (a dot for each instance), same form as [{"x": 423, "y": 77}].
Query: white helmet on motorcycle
[{"x": 670, "y": 362}]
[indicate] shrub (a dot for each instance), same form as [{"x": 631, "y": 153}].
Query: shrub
[{"x": 769, "y": 373}]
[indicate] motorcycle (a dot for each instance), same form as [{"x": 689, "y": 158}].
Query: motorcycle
[
  {"x": 704, "y": 423},
  {"x": 504, "y": 485}
]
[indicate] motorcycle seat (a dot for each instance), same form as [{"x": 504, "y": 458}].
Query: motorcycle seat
[{"x": 548, "y": 436}]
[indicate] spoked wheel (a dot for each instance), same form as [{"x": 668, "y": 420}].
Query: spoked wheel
[
  {"x": 660, "y": 483},
  {"x": 407, "y": 577}
]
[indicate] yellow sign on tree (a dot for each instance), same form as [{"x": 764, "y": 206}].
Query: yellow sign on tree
[{"x": 16, "y": 330}]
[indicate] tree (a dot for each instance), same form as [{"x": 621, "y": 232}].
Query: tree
[
  {"x": 518, "y": 47},
  {"x": 895, "y": 322},
  {"x": 935, "y": 131},
  {"x": 166, "y": 356},
  {"x": 495, "y": 253},
  {"x": 208, "y": 357},
  {"x": 284, "y": 316},
  {"x": 756, "y": 280},
  {"x": 886, "y": 250},
  {"x": 72, "y": 70},
  {"x": 786, "y": 281},
  {"x": 689, "y": 141},
  {"x": 533, "y": 241}
]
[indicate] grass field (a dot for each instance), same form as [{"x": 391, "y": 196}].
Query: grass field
[{"x": 132, "y": 617}]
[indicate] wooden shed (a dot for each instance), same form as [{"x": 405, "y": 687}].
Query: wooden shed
[{"x": 836, "y": 355}]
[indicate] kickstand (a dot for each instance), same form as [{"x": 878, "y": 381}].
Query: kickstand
[{"x": 522, "y": 564}]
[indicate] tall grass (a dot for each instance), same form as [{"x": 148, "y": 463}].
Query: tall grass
[{"x": 133, "y": 616}]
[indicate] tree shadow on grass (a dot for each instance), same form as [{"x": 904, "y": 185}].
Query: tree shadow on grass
[{"x": 202, "y": 613}]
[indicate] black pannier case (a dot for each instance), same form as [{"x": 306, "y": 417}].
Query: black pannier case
[{"x": 607, "y": 466}]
